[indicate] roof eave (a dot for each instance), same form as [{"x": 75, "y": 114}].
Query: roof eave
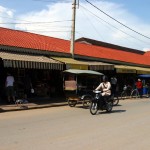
[
  {"x": 33, "y": 51},
  {"x": 111, "y": 61}
]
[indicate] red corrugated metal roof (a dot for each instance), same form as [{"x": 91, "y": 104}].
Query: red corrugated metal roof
[
  {"x": 21, "y": 39},
  {"x": 147, "y": 53},
  {"x": 108, "y": 53}
]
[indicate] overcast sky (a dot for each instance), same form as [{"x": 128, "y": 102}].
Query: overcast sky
[{"x": 32, "y": 15}]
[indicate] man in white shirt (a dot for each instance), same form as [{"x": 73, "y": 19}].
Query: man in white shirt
[
  {"x": 105, "y": 87},
  {"x": 9, "y": 84}
]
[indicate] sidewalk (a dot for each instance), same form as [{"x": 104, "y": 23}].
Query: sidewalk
[{"x": 35, "y": 103}]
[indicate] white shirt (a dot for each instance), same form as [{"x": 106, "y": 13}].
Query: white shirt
[
  {"x": 105, "y": 88},
  {"x": 9, "y": 81}
]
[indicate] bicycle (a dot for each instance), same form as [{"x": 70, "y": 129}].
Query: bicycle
[
  {"x": 125, "y": 92},
  {"x": 135, "y": 93}
]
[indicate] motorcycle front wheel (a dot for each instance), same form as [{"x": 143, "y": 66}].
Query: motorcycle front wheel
[
  {"x": 86, "y": 102},
  {"x": 93, "y": 108},
  {"x": 109, "y": 106}
]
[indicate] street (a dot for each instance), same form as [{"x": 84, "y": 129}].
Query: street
[{"x": 62, "y": 128}]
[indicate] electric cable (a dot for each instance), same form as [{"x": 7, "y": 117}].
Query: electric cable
[
  {"x": 117, "y": 20},
  {"x": 114, "y": 26},
  {"x": 97, "y": 32}
]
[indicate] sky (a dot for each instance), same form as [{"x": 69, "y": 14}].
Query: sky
[{"x": 53, "y": 18}]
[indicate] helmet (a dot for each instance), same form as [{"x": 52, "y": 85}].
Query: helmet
[{"x": 105, "y": 78}]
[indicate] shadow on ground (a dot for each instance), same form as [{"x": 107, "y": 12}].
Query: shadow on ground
[
  {"x": 46, "y": 100},
  {"x": 113, "y": 111}
]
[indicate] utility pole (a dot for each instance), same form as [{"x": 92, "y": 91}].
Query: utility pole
[{"x": 73, "y": 28}]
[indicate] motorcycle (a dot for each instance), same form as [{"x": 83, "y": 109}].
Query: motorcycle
[{"x": 100, "y": 103}]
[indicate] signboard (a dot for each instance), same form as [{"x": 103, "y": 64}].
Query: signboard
[
  {"x": 77, "y": 66},
  {"x": 123, "y": 70}
]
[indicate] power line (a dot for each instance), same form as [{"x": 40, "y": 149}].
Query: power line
[
  {"x": 117, "y": 20},
  {"x": 29, "y": 22},
  {"x": 34, "y": 22},
  {"x": 108, "y": 26},
  {"x": 97, "y": 32},
  {"x": 114, "y": 26},
  {"x": 44, "y": 0},
  {"x": 44, "y": 31}
]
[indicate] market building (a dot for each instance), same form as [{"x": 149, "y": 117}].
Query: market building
[{"x": 43, "y": 59}]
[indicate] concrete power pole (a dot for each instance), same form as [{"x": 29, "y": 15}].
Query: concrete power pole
[{"x": 73, "y": 28}]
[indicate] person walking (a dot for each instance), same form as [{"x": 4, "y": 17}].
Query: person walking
[
  {"x": 28, "y": 88},
  {"x": 113, "y": 85},
  {"x": 139, "y": 87},
  {"x": 9, "y": 84}
]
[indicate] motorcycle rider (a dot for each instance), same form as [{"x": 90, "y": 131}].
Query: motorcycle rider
[{"x": 104, "y": 87}]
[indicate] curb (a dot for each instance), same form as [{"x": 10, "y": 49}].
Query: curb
[{"x": 21, "y": 108}]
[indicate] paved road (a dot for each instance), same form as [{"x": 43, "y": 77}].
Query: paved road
[{"x": 65, "y": 128}]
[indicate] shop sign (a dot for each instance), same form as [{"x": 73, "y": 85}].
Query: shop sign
[
  {"x": 143, "y": 72},
  {"x": 119, "y": 70},
  {"x": 77, "y": 66}
]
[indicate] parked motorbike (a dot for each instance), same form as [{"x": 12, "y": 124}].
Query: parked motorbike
[{"x": 100, "y": 103}]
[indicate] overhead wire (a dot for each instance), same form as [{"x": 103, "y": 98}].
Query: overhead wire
[
  {"x": 46, "y": 23},
  {"x": 114, "y": 26},
  {"x": 45, "y": 31},
  {"x": 108, "y": 25},
  {"x": 117, "y": 20},
  {"x": 43, "y": 24},
  {"x": 30, "y": 22},
  {"x": 97, "y": 32}
]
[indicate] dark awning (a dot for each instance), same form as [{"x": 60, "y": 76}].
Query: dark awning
[{"x": 29, "y": 61}]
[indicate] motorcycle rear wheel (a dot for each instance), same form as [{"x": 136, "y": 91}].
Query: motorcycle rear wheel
[{"x": 93, "y": 108}]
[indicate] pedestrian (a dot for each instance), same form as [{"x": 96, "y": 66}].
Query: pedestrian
[
  {"x": 9, "y": 84},
  {"x": 28, "y": 88},
  {"x": 113, "y": 85},
  {"x": 139, "y": 87}
]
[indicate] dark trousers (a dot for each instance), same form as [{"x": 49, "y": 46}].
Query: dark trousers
[
  {"x": 140, "y": 92},
  {"x": 113, "y": 89}
]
